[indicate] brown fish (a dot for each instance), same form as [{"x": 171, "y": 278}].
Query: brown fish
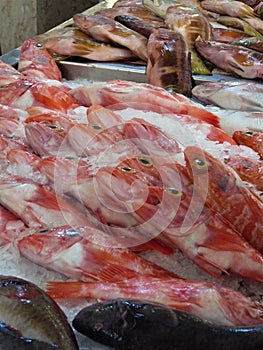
[
  {"x": 169, "y": 63},
  {"x": 72, "y": 41},
  {"x": 191, "y": 24},
  {"x": 237, "y": 60},
  {"x": 252, "y": 43},
  {"x": 107, "y": 30}
]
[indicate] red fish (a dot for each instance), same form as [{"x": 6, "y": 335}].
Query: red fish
[
  {"x": 252, "y": 139},
  {"x": 208, "y": 301},
  {"x": 122, "y": 94},
  {"x": 222, "y": 190},
  {"x": 36, "y": 61}
]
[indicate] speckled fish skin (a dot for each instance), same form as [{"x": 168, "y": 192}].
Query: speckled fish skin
[
  {"x": 47, "y": 323},
  {"x": 137, "y": 324},
  {"x": 236, "y": 60}
]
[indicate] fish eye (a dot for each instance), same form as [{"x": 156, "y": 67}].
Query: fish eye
[
  {"x": 44, "y": 230},
  {"x": 96, "y": 127},
  {"x": 200, "y": 164},
  {"x": 54, "y": 127},
  {"x": 173, "y": 191},
  {"x": 145, "y": 162},
  {"x": 249, "y": 133},
  {"x": 38, "y": 45},
  {"x": 127, "y": 169}
]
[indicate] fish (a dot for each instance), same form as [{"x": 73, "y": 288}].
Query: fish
[
  {"x": 253, "y": 43},
  {"x": 25, "y": 93},
  {"x": 7, "y": 112},
  {"x": 199, "y": 232},
  {"x": 223, "y": 190},
  {"x": 250, "y": 170},
  {"x": 237, "y": 60},
  {"x": 235, "y": 9},
  {"x": 252, "y": 139},
  {"x": 120, "y": 94},
  {"x": 136, "y": 11},
  {"x": 239, "y": 24},
  {"x": 36, "y": 61},
  {"x": 48, "y": 140},
  {"x": 160, "y": 7},
  {"x": 71, "y": 41},
  {"x": 169, "y": 61},
  {"x": 108, "y": 30},
  {"x": 227, "y": 35},
  {"x": 232, "y": 120},
  {"x": 191, "y": 24},
  {"x": 11, "y": 339},
  {"x": 238, "y": 95},
  {"x": 8, "y": 74},
  {"x": 86, "y": 253},
  {"x": 209, "y": 301},
  {"x": 10, "y": 226},
  {"x": 129, "y": 324},
  {"x": 27, "y": 308},
  {"x": 138, "y": 25},
  {"x": 229, "y": 8},
  {"x": 36, "y": 205},
  {"x": 151, "y": 140}
]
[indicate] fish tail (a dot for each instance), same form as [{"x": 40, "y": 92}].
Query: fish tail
[
  {"x": 203, "y": 115},
  {"x": 218, "y": 135}
]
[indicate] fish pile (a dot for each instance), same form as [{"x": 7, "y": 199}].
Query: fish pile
[
  {"x": 96, "y": 176},
  {"x": 174, "y": 39}
]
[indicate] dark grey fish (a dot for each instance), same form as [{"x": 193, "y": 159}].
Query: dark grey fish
[
  {"x": 29, "y": 310},
  {"x": 136, "y": 324},
  {"x": 10, "y": 339}
]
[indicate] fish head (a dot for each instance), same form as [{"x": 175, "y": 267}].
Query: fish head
[
  {"x": 247, "y": 137},
  {"x": 120, "y": 187},
  {"x": 144, "y": 166},
  {"x": 121, "y": 321},
  {"x": 48, "y": 139},
  {"x": 45, "y": 244},
  {"x": 210, "y": 176}
]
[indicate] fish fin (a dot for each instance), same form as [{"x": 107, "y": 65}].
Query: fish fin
[
  {"x": 203, "y": 115},
  {"x": 76, "y": 289},
  {"x": 218, "y": 135},
  {"x": 197, "y": 64},
  {"x": 113, "y": 272},
  {"x": 206, "y": 265},
  {"x": 248, "y": 29}
]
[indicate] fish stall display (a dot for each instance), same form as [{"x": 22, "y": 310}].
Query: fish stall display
[{"x": 132, "y": 201}]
